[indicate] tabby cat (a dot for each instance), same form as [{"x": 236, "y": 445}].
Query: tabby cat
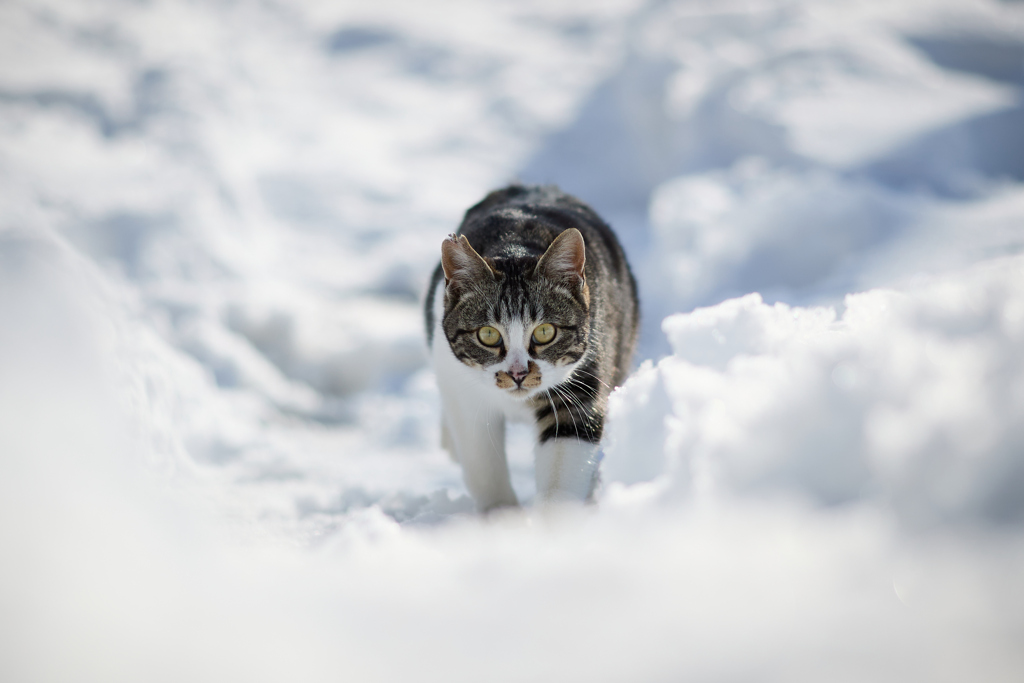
[{"x": 531, "y": 315}]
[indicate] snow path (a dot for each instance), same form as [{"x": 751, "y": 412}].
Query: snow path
[{"x": 219, "y": 449}]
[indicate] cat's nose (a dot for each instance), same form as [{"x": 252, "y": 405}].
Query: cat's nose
[{"x": 518, "y": 375}]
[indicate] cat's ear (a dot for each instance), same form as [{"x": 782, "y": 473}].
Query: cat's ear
[
  {"x": 461, "y": 263},
  {"x": 564, "y": 259}
]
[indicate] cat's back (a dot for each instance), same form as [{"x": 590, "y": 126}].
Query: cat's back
[{"x": 521, "y": 220}]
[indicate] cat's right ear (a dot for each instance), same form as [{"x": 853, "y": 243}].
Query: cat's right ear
[
  {"x": 461, "y": 263},
  {"x": 564, "y": 259}
]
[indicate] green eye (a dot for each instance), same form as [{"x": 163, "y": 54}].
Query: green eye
[
  {"x": 488, "y": 336},
  {"x": 544, "y": 333}
]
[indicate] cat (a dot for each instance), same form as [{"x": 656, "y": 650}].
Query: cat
[{"x": 531, "y": 315}]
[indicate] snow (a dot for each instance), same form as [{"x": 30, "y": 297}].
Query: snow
[
  {"x": 911, "y": 400},
  {"x": 220, "y": 437}
]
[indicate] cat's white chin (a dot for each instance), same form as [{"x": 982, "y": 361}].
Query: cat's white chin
[{"x": 523, "y": 394}]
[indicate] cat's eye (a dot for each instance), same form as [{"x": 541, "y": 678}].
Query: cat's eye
[
  {"x": 488, "y": 336},
  {"x": 544, "y": 333}
]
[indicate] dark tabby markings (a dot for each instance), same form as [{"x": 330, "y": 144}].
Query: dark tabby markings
[{"x": 571, "y": 409}]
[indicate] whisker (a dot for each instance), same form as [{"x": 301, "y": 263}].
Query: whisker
[
  {"x": 568, "y": 408},
  {"x": 589, "y": 392},
  {"x": 592, "y": 392},
  {"x": 573, "y": 401},
  {"x": 577, "y": 399},
  {"x": 554, "y": 411},
  {"x": 587, "y": 372}
]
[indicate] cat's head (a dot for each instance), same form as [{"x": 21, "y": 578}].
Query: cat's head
[{"x": 522, "y": 321}]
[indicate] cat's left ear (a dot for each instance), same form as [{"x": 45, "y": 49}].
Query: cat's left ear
[{"x": 565, "y": 258}]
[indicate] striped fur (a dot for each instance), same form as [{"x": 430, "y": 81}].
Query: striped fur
[{"x": 522, "y": 258}]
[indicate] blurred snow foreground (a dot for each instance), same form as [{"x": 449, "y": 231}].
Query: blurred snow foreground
[{"x": 219, "y": 451}]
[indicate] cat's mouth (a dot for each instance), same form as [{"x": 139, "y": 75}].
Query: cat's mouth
[{"x": 519, "y": 383}]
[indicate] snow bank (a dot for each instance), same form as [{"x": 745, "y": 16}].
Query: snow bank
[
  {"x": 102, "y": 576},
  {"x": 912, "y": 399}
]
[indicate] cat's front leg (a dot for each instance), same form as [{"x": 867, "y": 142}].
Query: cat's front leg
[
  {"x": 566, "y": 469},
  {"x": 478, "y": 440}
]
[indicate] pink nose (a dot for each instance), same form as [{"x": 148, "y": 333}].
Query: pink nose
[{"x": 518, "y": 374}]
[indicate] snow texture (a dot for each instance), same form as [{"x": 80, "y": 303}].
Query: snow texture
[{"x": 219, "y": 437}]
